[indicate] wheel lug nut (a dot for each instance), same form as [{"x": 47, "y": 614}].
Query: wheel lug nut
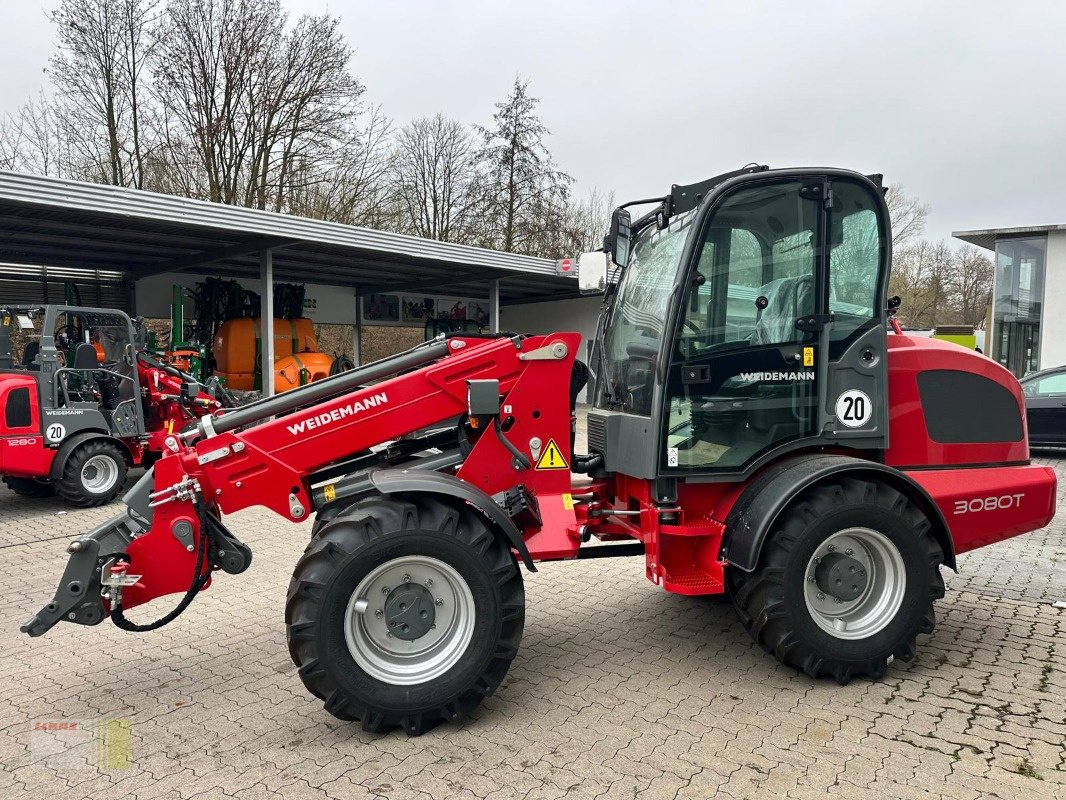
[
  {"x": 821, "y": 595},
  {"x": 379, "y": 613},
  {"x": 848, "y": 552},
  {"x": 384, "y": 589},
  {"x": 429, "y": 583},
  {"x": 832, "y": 548},
  {"x": 810, "y": 579},
  {"x": 439, "y": 602},
  {"x": 433, "y": 626},
  {"x": 406, "y": 578}
]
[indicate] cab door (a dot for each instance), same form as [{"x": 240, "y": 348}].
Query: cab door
[{"x": 786, "y": 279}]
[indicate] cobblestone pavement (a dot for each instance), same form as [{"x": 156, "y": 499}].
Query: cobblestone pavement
[{"x": 619, "y": 690}]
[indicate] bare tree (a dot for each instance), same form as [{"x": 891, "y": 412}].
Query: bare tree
[
  {"x": 970, "y": 285},
  {"x": 263, "y": 108},
  {"x": 940, "y": 285},
  {"x": 353, "y": 186},
  {"x": 434, "y": 177},
  {"x": 524, "y": 193},
  {"x": 103, "y": 47},
  {"x": 908, "y": 215},
  {"x": 39, "y": 138}
]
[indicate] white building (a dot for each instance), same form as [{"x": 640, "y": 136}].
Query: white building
[{"x": 1030, "y": 278}]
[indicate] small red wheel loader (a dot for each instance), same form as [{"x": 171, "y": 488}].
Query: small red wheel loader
[
  {"x": 759, "y": 427},
  {"x": 84, "y": 404}
]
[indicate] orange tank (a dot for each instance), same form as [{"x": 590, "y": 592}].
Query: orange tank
[
  {"x": 300, "y": 369},
  {"x": 236, "y": 346}
]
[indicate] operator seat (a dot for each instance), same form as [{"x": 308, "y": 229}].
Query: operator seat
[
  {"x": 788, "y": 300},
  {"x": 81, "y": 386},
  {"x": 85, "y": 357},
  {"x": 29, "y": 356}
]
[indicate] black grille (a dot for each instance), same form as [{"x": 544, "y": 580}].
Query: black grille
[{"x": 597, "y": 432}]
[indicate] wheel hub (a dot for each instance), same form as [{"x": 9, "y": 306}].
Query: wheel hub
[
  {"x": 409, "y": 620},
  {"x": 854, "y": 583},
  {"x": 409, "y": 611},
  {"x": 99, "y": 474},
  {"x": 841, "y": 576}
]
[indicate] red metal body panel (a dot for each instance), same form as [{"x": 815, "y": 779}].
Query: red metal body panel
[
  {"x": 909, "y": 442},
  {"x": 22, "y": 449},
  {"x": 984, "y": 506}
]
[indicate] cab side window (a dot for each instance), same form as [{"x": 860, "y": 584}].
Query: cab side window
[
  {"x": 17, "y": 408},
  {"x": 854, "y": 259},
  {"x": 760, "y": 244}
]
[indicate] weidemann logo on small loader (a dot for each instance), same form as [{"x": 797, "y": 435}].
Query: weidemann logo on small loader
[{"x": 337, "y": 414}]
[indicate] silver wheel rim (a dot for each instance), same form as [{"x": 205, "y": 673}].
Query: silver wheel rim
[
  {"x": 99, "y": 474},
  {"x": 879, "y": 602},
  {"x": 395, "y": 660}
]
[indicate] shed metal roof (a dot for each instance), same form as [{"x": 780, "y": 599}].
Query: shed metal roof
[
  {"x": 73, "y": 226},
  {"x": 986, "y": 237}
]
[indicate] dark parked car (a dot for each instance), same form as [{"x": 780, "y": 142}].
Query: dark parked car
[{"x": 1045, "y": 406}]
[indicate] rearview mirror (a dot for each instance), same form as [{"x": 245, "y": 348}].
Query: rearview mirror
[
  {"x": 592, "y": 272},
  {"x": 618, "y": 238}
]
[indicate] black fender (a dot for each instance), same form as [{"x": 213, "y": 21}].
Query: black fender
[
  {"x": 757, "y": 509},
  {"x": 401, "y": 481},
  {"x": 55, "y": 472}
]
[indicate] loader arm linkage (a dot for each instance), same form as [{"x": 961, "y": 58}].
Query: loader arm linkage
[{"x": 222, "y": 466}]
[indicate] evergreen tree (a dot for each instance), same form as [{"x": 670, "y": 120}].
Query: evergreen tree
[{"x": 522, "y": 192}]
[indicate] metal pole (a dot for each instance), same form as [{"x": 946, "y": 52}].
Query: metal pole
[
  {"x": 357, "y": 333},
  {"x": 494, "y": 305},
  {"x": 266, "y": 320}
]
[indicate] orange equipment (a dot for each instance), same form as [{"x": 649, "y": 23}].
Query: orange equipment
[{"x": 297, "y": 359}]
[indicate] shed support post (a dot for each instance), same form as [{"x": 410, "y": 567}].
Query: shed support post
[
  {"x": 266, "y": 321},
  {"x": 494, "y": 306},
  {"x": 357, "y": 334}
]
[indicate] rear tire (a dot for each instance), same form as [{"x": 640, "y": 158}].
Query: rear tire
[
  {"x": 419, "y": 677},
  {"x": 30, "y": 487},
  {"x": 94, "y": 474},
  {"x": 789, "y": 603}
]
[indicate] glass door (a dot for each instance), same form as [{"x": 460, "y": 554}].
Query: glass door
[{"x": 737, "y": 384}]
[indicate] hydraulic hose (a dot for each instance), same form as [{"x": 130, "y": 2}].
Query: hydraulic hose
[
  {"x": 340, "y": 364},
  {"x": 198, "y": 583},
  {"x": 519, "y": 456},
  {"x": 585, "y": 464}
]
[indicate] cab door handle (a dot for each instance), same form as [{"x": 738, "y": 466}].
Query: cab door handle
[{"x": 697, "y": 373}]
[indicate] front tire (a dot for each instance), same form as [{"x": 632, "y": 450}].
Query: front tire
[
  {"x": 93, "y": 475},
  {"x": 404, "y": 613},
  {"x": 846, "y": 581}
]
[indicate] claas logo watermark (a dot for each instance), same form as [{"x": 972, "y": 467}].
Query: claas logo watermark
[{"x": 102, "y": 744}]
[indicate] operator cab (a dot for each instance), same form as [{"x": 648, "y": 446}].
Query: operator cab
[
  {"x": 84, "y": 362},
  {"x": 749, "y": 307}
]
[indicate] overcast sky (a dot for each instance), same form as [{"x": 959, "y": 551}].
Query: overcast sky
[{"x": 964, "y": 103}]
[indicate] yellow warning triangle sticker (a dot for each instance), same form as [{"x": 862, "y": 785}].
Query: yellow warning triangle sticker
[{"x": 552, "y": 457}]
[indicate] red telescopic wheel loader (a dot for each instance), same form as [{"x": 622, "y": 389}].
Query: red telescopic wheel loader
[{"x": 759, "y": 427}]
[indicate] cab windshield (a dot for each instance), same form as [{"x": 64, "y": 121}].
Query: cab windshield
[{"x": 637, "y": 323}]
